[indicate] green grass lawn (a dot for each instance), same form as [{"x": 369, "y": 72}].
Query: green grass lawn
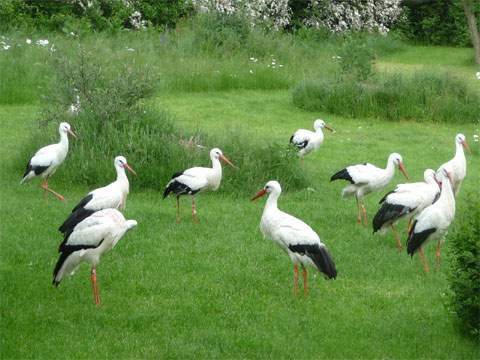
[{"x": 217, "y": 289}]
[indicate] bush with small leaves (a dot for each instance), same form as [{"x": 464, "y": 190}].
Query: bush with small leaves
[{"x": 465, "y": 269}]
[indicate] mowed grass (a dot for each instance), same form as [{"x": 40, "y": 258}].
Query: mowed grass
[{"x": 217, "y": 289}]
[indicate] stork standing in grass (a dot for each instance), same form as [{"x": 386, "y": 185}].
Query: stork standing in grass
[
  {"x": 307, "y": 141},
  {"x": 432, "y": 223},
  {"x": 458, "y": 165},
  {"x": 296, "y": 238},
  {"x": 366, "y": 178},
  {"x": 46, "y": 160},
  {"x": 89, "y": 240},
  {"x": 406, "y": 199},
  {"x": 194, "y": 180},
  {"x": 112, "y": 196}
]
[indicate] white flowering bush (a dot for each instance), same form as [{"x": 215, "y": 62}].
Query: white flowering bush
[
  {"x": 344, "y": 15},
  {"x": 272, "y": 13}
]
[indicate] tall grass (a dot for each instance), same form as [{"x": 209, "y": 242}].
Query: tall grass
[
  {"x": 205, "y": 53},
  {"x": 422, "y": 96}
]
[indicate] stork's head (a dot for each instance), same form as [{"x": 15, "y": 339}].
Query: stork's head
[
  {"x": 462, "y": 140},
  {"x": 430, "y": 177},
  {"x": 396, "y": 158},
  {"x": 121, "y": 162},
  {"x": 320, "y": 124},
  {"x": 445, "y": 174},
  {"x": 272, "y": 186},
  {"x": 66, "y": 128},
  {"x": 216, "y": 153}
]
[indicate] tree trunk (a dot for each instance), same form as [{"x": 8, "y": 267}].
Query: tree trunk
[{"x": 472, "y": 25}]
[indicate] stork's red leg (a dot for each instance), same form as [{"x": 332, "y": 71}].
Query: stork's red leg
[
  {"x": 178, "y": 209},
  {"x": 194, "y": 210},
  {"x": 397, "y": 238},
  {"x": 364, "y": 214},
  {"x": 295, "y": 279},
  {"x": 46, "y": 188},
  {"x": 409, "y": 226},
  {"x": 437, "y": 254},
  {"x": 305, "y": 282},
  {"x": 423, "y": 260},
  {"x": 96, "y": 294},
  {"x": 359, "y": 216}
]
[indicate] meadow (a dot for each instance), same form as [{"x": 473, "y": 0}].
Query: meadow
[{"x": 217, "y": 289}]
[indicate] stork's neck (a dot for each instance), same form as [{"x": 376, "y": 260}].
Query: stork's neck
[
  {"x": 63, "y": 139},
  {"x": 272, "y": 201},
  {"x": 459, "y": 153},
  {"x": 446, "y": 196},
  {"x": 121, "y": 175},
  {"x": 390, "y": 169},
  {"x": 216, "y": 167}
]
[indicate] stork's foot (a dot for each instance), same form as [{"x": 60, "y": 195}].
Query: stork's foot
[{"x": 57, "y": 195}]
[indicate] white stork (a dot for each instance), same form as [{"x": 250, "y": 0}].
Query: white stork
[
  {"x": 406, "y": 199},
  {"x": 307, "y": 141},
  {"x": 112, "y": 196},
  {"x": 90, "y": 239},
  {"x": 433, "y": 222},
  {"x": 299, "y": 241},
  {"x": 457, "y": 165},
  {"x": 46, "y": 160},
  {"x": 196, "y": 179},
  {"x": 366, "y": 178}
]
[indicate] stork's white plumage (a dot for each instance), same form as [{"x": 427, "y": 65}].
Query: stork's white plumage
[
  {"x": 433, "y": 222},
  {"x": 366, "y": 178},
  {"x": 90, "y": 239},
  {"x": 299, "y": 241},
  {"x": 406, "y": 199},
  {"x": 112, "y": 196},
  {"x": 46, "y": 160},
  {"x": 194, "y": 180},
  {"x": 307, "y": 141},
  {"x": 458, "y": 165}
]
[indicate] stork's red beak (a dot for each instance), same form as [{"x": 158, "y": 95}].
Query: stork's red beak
[
  {"x": 403, "y": 170},
  {"x": 329, "y": 128},
  {"x": 224, "y": 158},
  {"x": 129, "y": 169},
  {"x": 259, "y": 194},
  {"x": 465, "y": 145},
  {"x": 72, "y": 133}
]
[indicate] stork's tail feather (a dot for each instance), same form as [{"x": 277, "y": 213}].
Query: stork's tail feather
[
  {"x": 416, "y": 240},
  {"x": 387, "y": 214},
  {"x": 169, "y": 188},
  {"x": 324, "y": 262},
  {"x": 385, "y": 197},
  {"x": 342, "y": 175},
  {"x": 61, "y": 260}
]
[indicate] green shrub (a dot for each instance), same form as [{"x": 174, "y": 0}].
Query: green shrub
[
  {"x": 420, "y": 97},
  {"x": 114, "y": 119},
  {"x": 356, "y": 59},
  {"x": 465, "y": 269}
]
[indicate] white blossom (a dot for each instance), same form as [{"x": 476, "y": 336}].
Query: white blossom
[
  {"x": 344, "y": 15},
  {"x": 74, "y": 108},
  {"x": 478, "y": 75},
  {"x": 28, "y": 41},
  {"x": 42, "y": 42},
  {"x": 272, "y": 13},
  {"x": 137, "y": 21}
]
